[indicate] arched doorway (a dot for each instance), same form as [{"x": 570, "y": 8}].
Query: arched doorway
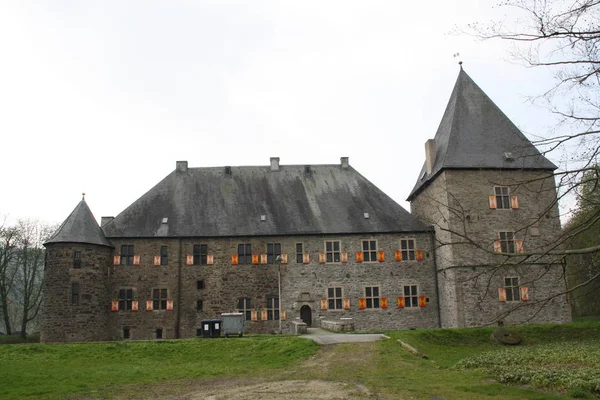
[{"x": 306, "y": 315}]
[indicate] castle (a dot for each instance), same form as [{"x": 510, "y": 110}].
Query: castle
[{"x": 204, "y": 241}]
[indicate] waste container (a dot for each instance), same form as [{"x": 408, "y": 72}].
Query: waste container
[
  {"x": 233, "y": 324},
  {"x": 217, "y": 326},
  {"x": 206, "y": 328}
]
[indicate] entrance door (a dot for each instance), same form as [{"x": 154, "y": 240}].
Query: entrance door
[{"x": 306, "y": 315}]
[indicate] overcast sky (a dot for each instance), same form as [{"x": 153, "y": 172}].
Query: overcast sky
[{"x": 103, "y": 97}]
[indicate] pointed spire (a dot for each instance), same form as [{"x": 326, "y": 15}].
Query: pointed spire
[
  {"x": 475, "y": 133},
  {"x": 80, "y": 227}
]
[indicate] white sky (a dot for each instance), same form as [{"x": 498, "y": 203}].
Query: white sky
[{"x": 103, "y": 97}]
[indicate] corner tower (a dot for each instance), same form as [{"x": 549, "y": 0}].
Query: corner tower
[
  {"x": 490, "y": 194},
  {"x": 75, "y": 292}
]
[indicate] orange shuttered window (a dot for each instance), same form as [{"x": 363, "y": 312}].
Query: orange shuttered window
[
  {"x": 254, "y": 315},
  {"x": 305, "y": 258},
  {"x": 359, "y": 256},
  {"x": 492, "y": 202},
  {"x": 149, "y": 305},
  {"x": 255, "y": 258},
  {"x": 189, "y": 259},
  {"x": 501, "y": 294},
  {"x": 346, "y": 304},
  {"x": 135, "y": 305},
  {"x": 524, "y": 293},
  {"x": 116, "y": 260},
  {"x": 136, "y": 260},
  {"x": 401, "y": 302},
  {"x": 419, "y": 255},
  {"x": 114, "y": 306},
  {"x": 362, "y": 303},
  {"x": 519, "y": 246},
  {"x": 380, "y": 256},
  {"x": 284, "y": 259},
  {"x": 169, "y": 305},
  {"x": 156, "y": 260},
  {"x": 384, "y": 302},
  {"x": 323, "y": 304},
  {"x": 234, "y": 259},
  {"x": 497, "y": 246},
  {"x": 210, "y": 259},
  {"x": 283, "y": 315},
  {"x": 514, "y": 202},
  {"x": 322, "y": 258},
  {"x": 422, "y": 301},
  {"x": 398, "y": 255},
  {"x": 263, "y": 258},
  {"x": 344, "y": 257}
]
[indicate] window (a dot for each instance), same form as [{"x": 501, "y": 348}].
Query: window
[
  {"x": 372, "y": 296},
  {"x": 507, "y": 242},
  {"x": 127, "y": 254},
  {"x": 200, "y": 284},
  {"x": 245, "y": 253},
  {"x": 273, "y": 250},
  {"x": 125, "y": 299},
  {"x": 74, "y": 293},
  {"x": 245, "y": 306},
  {"x": 334, "y": 298},
  {"x": 407, "y": 246},
  {"x": 369, "y": 248},
  {"x": 272, "y": 308},
  {"x": 332, "y": 251},
  {"x": 512, "y": 288},
  {"x": 126, "y": 333},
  {"x": 164, "y": 255},
  {"x": 159, "y": 333},
  {"x": 502, "y": 197},
  {"x": 199, "y": 305},
  {"x": 299, "y": 253},
  {"x": 200, "y": 252},
  {"x": 411, "y": 296},
  {"x": 76, "y": 259},
  {"x": 159, "y": 299},
  {"x": 198, "y": 332}
]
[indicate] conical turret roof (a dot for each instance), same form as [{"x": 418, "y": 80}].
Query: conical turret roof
[
  {"x": 475, "y": 134},
  {"x": 80, "y": 227}
]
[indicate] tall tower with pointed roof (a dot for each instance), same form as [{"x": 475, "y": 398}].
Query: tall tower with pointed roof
[
  {"x": 486, "y": 189},
  {"x": 76, "y": 280}
]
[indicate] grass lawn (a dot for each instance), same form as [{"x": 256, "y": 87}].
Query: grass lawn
[{"x": 554, "y": 361}]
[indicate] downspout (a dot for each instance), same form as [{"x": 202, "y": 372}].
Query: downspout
[
  {"x": 178, "y": 308},
  {"x": 435, "y": 274}
]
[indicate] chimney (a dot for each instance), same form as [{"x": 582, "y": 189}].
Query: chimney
[
  {"x": 345, "y": 162},
  {"x": 227, "y": 172},
  {"x": 105, "y": 220},
  {"x": 274, "y": 163},
  {"x": 429, "y": 155},
  {"x": 181, "y": 166}
]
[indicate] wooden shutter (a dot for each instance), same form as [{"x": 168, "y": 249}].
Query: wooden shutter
[
  {"x": 344, "y": 257},
  {"x": 135, "y": 305},
  {"x": 359, "y": 256},
  {"x": 114, "y": 306},
  {"x": 524, "y": 293},
  {"x": 284, "y": 259},
  {"x": 322, "y": 258},
  {"x": 263, "y": 315},
  {"x": 116, "y": 260},
  {"x": 210, "y": 259},
  {"x": 283, "y": 315},
  {"x": 384, "y": 302},
  {"x": 401, "y": 302},
  {"x": 380, "y": 256},
  {"x": 323, "y": 304},
  {"x": 419, "y": 255},
  {"x": 362, "y": 303},
  {"x": 149, "y": 305},
  {"x": 189, "y": 259},
  {"x": 514, "y": 202},
  {"x": 422, "y": 301},
  {"x": 156, "y": 260},
  {"x": 254, "y": 315},
  {"x": 136, "y": 260},
  {"x": 398, "y": 255},
  {"x": 346, "y": 304},
  {"x": 169, "y": 305},
  {"x": 492, "y": 201},
  {"x": 497, "y": 246},
  {"x": 501, "y": 294},
  {"x": 254, "y": 258},
  {"x": 263, "y": 258},
  {"x": 305, "y": 258},
  {"x": 519, "y": 246},
  {"x": 234, "y": 259}
]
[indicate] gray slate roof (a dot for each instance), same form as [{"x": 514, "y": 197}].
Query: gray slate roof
[
  {"x": 475, "y": 133},
  {"x": 80, "y": 227},
  {"x": 206, "y": 202}
]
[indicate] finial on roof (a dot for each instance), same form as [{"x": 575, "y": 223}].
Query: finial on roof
[
  {"x": 460, "y": 63},
  {"x": 83, "y": 196}
]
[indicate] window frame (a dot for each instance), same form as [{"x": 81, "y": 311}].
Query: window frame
[
  {"x": 199, "y": 305},
  {"x": 200, "y": 284},
  {"x": 200, "y": 254},
  {"x": 507, "y": 239},
  {"x": 408, "y": 253},
  {"x": 513, "y": 292},
  {"x": 159, "y": 303},
  {"x": 299, "y": 254},
  {"x": 272, "y": 252},
  {"x": 162, "y": 335},
  {"x": 244, "y": 306},
  {"x": 77, "y": 259},
  {"x": 411, "y": 300},
  {"x": 245, "y": 256},
  {"x": 125, "y": 298},
  {"x": 75, "y": 293},
  {"x": 369, "y": 254},
  {"x": 272, "y": 308},
  {"x": 334, "y": 299},
  {"x": 127, "y": 254},
  {"x": 372, "y": 301},
  {"x": 502, "y": 194},
  {"x": 333, "y": 256},
  {"x": 164, "y": 255}
]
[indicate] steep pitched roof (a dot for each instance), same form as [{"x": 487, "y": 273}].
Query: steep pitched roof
[
  {"x": 80, "y": 227},
  {"x": 209, "y": 202},
  {"x": 475, "y": 133}
]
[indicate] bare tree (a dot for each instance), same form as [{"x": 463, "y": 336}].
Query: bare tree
[{"x": 8, "y": 255}]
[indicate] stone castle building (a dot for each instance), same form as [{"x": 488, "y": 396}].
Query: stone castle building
[{"x": 204, "y": 241}]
